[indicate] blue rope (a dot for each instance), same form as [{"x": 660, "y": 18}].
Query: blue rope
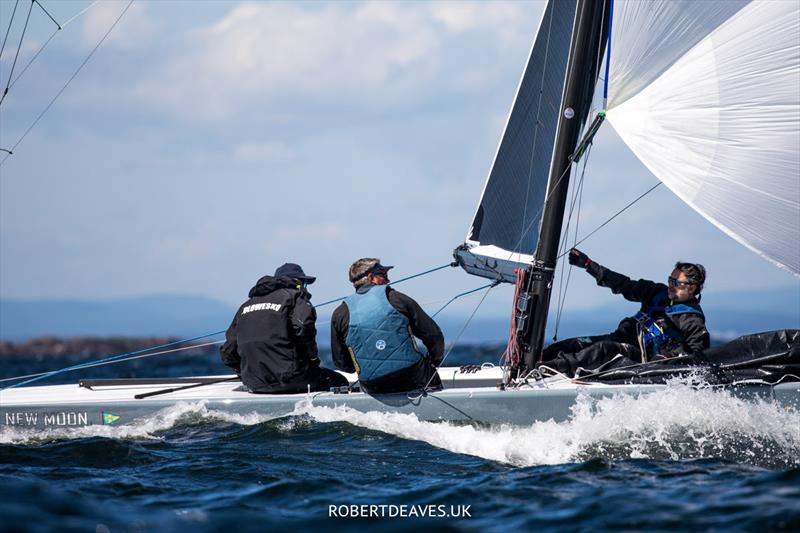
[
  {"x": 456, "y": 297},
  {"x": 112, "y": 358},
  {"x": 120, "y": 356},
  {"x": 392, "y": 283},
  {"x": 608, "y": 54}
]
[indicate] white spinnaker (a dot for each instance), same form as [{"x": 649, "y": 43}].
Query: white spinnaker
[{"x": 718, "y": 123}]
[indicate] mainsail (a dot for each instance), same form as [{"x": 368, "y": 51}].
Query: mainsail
[
  {"x": 707, "y": 95},
  {"x": 505, "y": 230},
  {"x": 515, "y": 233}
]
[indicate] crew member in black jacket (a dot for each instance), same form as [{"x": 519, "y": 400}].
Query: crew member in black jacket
[
  {"x": 670, "y": 321},
  {"x": 373, "y": 330},
  {"x": 271, "y": 342}
]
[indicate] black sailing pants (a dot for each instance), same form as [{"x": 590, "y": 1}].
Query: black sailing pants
[
  {"x": 589, "y": 353},
  {"x": 324, "y": 381}
]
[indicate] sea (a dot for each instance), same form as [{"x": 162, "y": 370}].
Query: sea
[{"x": 686, "y": 458}]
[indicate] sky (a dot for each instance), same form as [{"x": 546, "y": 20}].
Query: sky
[{"x": 206, "y": 143}]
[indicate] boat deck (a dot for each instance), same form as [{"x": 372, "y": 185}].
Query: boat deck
[{"x": 471, "y": 397}]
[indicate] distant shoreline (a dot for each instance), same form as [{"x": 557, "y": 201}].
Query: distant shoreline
[
  {"x": 90, "y": 346},
  {"x": 52, "y": 346}
]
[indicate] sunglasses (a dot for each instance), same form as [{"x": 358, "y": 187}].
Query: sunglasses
[{"x": 678, "y": 283}]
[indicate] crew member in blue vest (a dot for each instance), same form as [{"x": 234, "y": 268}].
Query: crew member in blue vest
[
  {"x": 670, "y": 321},
  {"x": 373, "y": 333},
  {"x": 271, "y": 342}
]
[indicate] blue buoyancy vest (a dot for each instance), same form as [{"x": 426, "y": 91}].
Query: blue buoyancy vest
[
  {"x": 379, "y": 337},
  {"x": 658, "y": 339}
]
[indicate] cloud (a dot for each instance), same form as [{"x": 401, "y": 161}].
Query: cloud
[
  {"x": 264, "y": 151},
  {"x": 375, "y": 52},
  {"x": 135, "y": 26},
  {"x": 509, "y": 22}
]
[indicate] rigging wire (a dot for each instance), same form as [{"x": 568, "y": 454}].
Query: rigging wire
[
  {"x": 41, "y": 48},
  {"x": 575, "y": 240},
  {"x": 74, "y": 75},
  {"x": 16, "y": 55},
  {"x": 457, "y": 296},
  {"x": 99, "y": 363},
  {"x": 47, "y": 13},
  {"x": 39, "y": 51},
  {"x": 598, "y": 228},
  {"x": 113, "y": 358},
  {"x": 8, "y": 31},
  {"x": 392, "y": 283},
  {"x": 564, "y": 285},
  {"x": 58, "y": 28},
  {"x": 463, "y": 328}
]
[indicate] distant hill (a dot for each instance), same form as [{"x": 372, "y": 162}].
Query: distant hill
[{"x": 728, "y": 314}]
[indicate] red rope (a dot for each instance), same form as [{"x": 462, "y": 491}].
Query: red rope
[{"x": 513, "y": 354}]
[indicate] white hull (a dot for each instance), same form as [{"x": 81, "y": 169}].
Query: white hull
[{"x": 470, "y": 398}]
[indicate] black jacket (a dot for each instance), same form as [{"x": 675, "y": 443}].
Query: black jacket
[
  {"x": 422, "y": 326},
  {"x": 272, "y": 339},
  {"x": 690, "y": 326}
]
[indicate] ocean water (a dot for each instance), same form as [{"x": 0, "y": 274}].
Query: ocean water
[{"x": 684, "y": 458}]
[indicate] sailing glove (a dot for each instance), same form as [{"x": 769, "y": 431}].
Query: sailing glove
[{"x": 578, "y": 258}]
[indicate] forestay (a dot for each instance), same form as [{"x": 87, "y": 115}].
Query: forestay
[
  {"x": 707, "y": 95},
  {"x": 505, "y": 229}
]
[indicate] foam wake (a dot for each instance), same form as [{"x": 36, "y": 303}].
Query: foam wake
[
  {"x": 679, "y": 422},
  {"x": 145, "y": 428}
]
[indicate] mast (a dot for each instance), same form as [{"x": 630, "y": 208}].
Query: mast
[{"x": 588, "y": 40}]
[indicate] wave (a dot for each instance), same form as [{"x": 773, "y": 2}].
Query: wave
[{"x": 681, "y": 421}]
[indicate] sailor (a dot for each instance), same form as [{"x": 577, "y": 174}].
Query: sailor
[
  {"x": 373, "y": 333},
  {"x": 271, "y": 342},
  {"x": 670, "y": 321}
]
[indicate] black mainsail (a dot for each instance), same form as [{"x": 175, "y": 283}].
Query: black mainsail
[
  {"x": 518, "y": 221},
  {"x": 505, "y": 229}
]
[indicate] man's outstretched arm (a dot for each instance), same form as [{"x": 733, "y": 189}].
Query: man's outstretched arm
[{"x": 635, "y": 291}]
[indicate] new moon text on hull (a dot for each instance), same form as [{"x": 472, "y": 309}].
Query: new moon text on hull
[{"x": 63, "y": 418}]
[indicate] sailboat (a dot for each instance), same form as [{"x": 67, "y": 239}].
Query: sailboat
[{"x": 705, "y": 93}]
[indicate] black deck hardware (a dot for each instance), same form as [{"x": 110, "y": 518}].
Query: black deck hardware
[{"x": 89, "y": 383}]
